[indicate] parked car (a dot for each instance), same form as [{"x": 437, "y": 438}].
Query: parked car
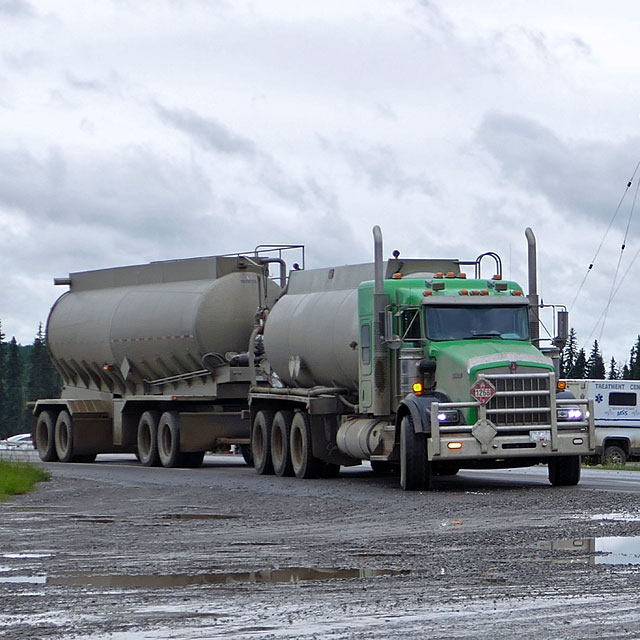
[{"x": 21, "y": 441}]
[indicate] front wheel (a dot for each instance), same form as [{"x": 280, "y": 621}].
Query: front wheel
[
  {"x": 614, "y": 455},
  {"x": 415, "y": 469},
  {"x": 564, "y": 471}
]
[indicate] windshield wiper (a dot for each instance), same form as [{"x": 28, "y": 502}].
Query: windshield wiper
[{"x": 486, "y": 334}]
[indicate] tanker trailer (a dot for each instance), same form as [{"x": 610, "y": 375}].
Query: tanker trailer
[
  {"x": 156, "y": 359},
  {"x": 415, "y": 366}
]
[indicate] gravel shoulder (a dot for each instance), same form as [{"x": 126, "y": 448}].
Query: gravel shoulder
[{"x": 120, "y": 551}]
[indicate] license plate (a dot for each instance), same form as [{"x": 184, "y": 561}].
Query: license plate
[{"x": 540, "y": 436}]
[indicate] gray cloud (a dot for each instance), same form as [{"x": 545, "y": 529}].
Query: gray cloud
[
  {"x": 581, "y": 177},
  {"x": 132, "y": 190},
  {"x": 380, "y": 167},
  {"x": 16, "y": 8},
  {"x": 24, "y": 60},
  {"x": 206, "y": 132}
]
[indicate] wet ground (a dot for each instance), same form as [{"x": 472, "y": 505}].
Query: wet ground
[{"x": 114, "y": 550}]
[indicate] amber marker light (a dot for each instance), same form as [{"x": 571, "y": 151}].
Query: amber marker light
[
  {"x": 397, "y": 276},
  {"x": 106, "y": 367},
  {"x": 454, "y": 444},
  {"x": 417, "y": 388},
  {"x": 562, "y": 385}
]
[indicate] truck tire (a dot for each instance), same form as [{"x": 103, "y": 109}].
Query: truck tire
[
  {"x": 193, "y": 460},
  {"x": 148, "y": 439},
  {"x": 169, "y": 440},
  {"x": 614, "y": 455},
  {"x": 304, "y": 464},
  {"x": 381, "y": 467},
  {"x": 245, "y": 450},
  {"x": 261, "y": 442},
  {"x": 45, "y": 436},
  {"x": 564, "y": 471},
  {"x": 415, "y": 469},
  {"x": 281, "y": 443},
  {"x": 329, "y": 470},
  {"x": 64, "y": 437}
]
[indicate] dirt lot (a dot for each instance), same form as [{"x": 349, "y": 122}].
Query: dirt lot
[{"x": 114, "y": 550}]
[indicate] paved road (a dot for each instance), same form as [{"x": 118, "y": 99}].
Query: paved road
[{"x": 231, "y": 470}]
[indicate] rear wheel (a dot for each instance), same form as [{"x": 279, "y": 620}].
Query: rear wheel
[
  {"x": 564, "y": 471},
  {"x": 614, "y": 455},
  {"x": 64, "y": 437},
  {"x": 193, "y": 460},
  {"x": 169, "y": 440},
  {"x": 45, "y": 436},
  {"x": 381, "y": 467},
  {"x": 148, "y": 439},
  {"x": 329, "y": 470},
  {"x": 280, "y": 443},
  {"x": 304, "y": 464},
  {"x": 261, "y": 441},
  {"x": 415, "y": 469},
  {"x": 245, "y": 450}
]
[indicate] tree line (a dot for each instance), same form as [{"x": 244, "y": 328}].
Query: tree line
[
  {"x": 576, "y": 364},
  {"x": 26, "y": 374}
]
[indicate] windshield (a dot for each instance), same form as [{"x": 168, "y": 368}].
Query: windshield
[{"x": 476, "y": 322}]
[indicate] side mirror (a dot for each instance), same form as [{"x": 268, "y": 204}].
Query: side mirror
[
  {"x": 393, "y": 341},
  {"x": 427, "y": 367},
  {"x": 563, "y": 329}
]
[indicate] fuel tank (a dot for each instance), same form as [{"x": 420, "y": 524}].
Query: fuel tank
[
  {"x": 311, "y": 335},
  {"x": 155, "y": 321}
]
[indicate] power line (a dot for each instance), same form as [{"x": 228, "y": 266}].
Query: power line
[{"x": 590, "y": 267}]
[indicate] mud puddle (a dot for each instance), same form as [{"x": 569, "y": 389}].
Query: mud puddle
[
  {"x": 295, "y": 574},
  {"x": 615, "y": 550}
]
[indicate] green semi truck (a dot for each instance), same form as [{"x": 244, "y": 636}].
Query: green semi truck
[{"x": 408, "y": 363}]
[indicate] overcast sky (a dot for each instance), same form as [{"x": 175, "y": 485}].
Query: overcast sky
[{"x": 134, "y": 130}]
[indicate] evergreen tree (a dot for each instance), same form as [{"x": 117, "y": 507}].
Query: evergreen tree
[
  {"x": 579, "y": 369},
  {"x": 595, "y": 364},
  {"x": 625, "y": 371},
  {"x": 43, "y": 380},
  {"x": 614, "y": 372},
  {"x": 569, "y": 354},
  {"x": 13, "y": 399},
  {"x": 2, "y": 378},
  {"x": 634, "y": 363}
]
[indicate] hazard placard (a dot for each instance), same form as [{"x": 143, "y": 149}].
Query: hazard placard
[{"x": 483, "y": 391}]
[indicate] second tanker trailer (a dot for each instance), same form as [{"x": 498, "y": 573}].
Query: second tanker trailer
[{"x": 407, "y": 363}]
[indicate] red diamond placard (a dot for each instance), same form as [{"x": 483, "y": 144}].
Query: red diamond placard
[{"x": 483, "y": 391}]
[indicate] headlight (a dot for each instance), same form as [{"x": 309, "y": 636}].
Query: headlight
[
  {"x": 569, "y": 413},
  {"x": 448, "y": 417}
]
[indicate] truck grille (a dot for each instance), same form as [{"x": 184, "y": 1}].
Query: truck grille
[{"x": 519, "y": 392}]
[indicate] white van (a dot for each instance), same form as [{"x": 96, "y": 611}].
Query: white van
[{"x": 617, "y": 416}]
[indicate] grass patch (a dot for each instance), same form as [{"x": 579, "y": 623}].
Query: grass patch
[
  {"x": 19, "y": 477},
  {"x": 594, "y": 464}
]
